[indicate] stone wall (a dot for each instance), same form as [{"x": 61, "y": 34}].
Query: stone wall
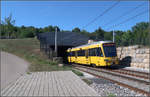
[{"x": 134, "y": 56}]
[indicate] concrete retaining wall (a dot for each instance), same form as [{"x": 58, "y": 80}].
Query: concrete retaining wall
[{"x": 134, "y": 56}]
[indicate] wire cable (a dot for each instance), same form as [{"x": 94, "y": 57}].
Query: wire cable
[
  {"x": 139, "y": 14},
  {"x": 108, "y": 9},
  {"x": 124, "y": 14}
]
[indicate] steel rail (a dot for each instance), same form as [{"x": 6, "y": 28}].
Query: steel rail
[
  {"x": 115, "y": 74},
  {"x": 119, "y": 83},
  {"x": 139, "y": 74},
  {"x": 132, "y": 73}
]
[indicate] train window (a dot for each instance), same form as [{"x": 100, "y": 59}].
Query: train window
[
  {"x": 69, "y": 53},
  {"x": 81, "y": 53},
  {"x": 72, "y": 53},
  {"x": 99, "y": 52},
  {"x": 78, "y": 52},
  {"x": 110, "y": 50},
  {"x": 92, "y": 52},
  {"x": 95, "y": 52}
]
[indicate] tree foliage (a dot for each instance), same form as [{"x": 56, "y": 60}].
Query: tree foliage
[
  {"x": 8, "y": 26},
  {"x": 76, "y": 30},
  {"x": 138, "y": 35}
]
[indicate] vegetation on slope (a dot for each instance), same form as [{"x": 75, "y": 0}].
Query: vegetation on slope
[{"x": 30, "y": 51}]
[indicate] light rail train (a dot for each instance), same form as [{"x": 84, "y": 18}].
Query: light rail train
[{"x": 101, "y": 53}]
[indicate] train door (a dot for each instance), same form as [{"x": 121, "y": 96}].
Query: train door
[
  {"x": 87, "y": 58},
  {"x": 76, "y": 56},
  {"x": 69, "y": 56},
  {"x": 100, "y": 56},
  {"x": 93, "y": 57},
  {"x": 81, "y": 57}
]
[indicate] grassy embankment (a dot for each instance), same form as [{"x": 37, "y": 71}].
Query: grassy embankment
[{"x": 29, "y": 50}]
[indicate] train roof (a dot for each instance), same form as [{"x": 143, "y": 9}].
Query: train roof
[{"x": 93, "y": 43}]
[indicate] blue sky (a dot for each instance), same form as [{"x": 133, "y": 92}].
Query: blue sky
[{"x": 68, "y": 15}]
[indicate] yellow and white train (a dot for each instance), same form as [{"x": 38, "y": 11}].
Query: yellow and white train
[{"x": 101, "y": 53}]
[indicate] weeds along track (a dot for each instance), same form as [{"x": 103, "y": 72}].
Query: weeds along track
[{"x": 136, "y": 83}]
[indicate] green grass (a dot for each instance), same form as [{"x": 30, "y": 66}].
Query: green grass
[
  {"x": 28, "y": 72},
  {"x": 89, "y": 82},
  {"x": 29, "y": 50},
  {"x": 77, "y": 72},
  {"x": 111, "y": 95}
]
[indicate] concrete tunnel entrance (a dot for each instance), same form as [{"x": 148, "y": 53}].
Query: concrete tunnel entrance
[
  {"x": 61, "y": 52},
  {"x": 65, "y": 40}
]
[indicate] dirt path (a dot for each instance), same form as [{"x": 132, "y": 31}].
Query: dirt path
[{"x": 12, "y": 67}]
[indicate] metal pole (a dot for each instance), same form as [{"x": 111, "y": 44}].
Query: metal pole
[
  {"x": 0, "y": 35},
  {"x": 56, "y": 41},
  {"x": 113, "y": 35}
]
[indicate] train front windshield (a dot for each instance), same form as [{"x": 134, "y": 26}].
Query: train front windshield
[{"x": 110, "y": 50}]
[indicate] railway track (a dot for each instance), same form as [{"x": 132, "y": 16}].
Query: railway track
[
  {"x": 126, "y": 78},
  {"x": 139, "y": 74}
]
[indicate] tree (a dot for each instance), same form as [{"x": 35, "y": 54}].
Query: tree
[
  {"x": 76, "y": 30},
  {"x": 84, "y": 32},
  {"x": 138, "y": 35},
  {"x": 9, "y": 25},
  {"x": 140, "y": 32},
  {"x": 50, "y": 29},
  {"x": 15, "y": 30},
  {"x": 125, "y": 38},
  {"x": 99, "y": 34},
  {"x": 118, "y": 37},
  {"x": 65, "y": 31},
  {"x": 92, "y": 36},
  {"x": 108, "y": 35},
  {"x": 2, "y": 30},
  {"x": 58, "y": 29}
]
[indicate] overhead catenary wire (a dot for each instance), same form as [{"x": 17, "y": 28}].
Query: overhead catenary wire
[
  {"x": 124, "y": 14},
  {"x": 104, "y": 12},
  {"x": 128, "y": 19}
]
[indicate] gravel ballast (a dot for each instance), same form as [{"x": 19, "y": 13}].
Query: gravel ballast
[
  {"x": 118, "y": 78},
  {"x": 107, "y": 88}
]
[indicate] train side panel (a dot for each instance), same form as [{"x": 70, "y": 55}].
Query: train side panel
[{"x": 102, "y": 57}]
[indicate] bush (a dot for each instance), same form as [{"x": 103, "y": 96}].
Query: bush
[
  {"x": 89, "y": 82},
  {"x": 77, "y": 72}
]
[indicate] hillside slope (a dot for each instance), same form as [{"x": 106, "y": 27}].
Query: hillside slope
[
  {"x": 12, "y": 67},
  {"x": 29, "y": 49}
]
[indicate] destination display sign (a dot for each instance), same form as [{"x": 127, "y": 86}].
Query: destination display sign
[{"x": 109, "y": 44}]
